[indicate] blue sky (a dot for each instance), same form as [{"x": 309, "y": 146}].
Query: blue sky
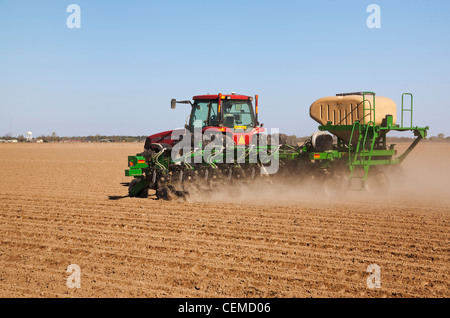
[{"x": 117, "y": 73}]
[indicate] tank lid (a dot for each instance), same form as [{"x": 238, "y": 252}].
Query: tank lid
[{"x": 354, "y": 93}]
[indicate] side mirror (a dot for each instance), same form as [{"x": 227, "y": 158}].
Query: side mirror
[{"x": 173, "y": 103}]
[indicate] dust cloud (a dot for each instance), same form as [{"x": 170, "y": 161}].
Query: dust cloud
[{"x": 423, "y": 178}]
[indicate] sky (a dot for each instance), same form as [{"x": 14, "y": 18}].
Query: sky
[{"x": 116, "y": 74}]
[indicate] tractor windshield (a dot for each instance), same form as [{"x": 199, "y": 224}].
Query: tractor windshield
[
  {"x": 204, "y": 113},
  {"x": 238, "y": 113}
]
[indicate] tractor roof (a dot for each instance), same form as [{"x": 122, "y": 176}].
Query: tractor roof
[{"x": 224, "y": 96}]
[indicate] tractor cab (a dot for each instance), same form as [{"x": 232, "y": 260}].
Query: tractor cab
[{"x": 231, "y": 114}]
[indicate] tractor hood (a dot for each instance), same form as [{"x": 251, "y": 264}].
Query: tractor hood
[{"x": 165, "y": 138}]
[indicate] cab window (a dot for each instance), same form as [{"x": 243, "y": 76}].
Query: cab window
[
  {"x": 238, "y": 113},
  {"x": 204, "y": 113}
]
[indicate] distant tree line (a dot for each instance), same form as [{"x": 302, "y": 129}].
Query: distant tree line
[
  {"x": 104, "y": 138},
  {"x": 93, "y": 138},
  {"x": 439, "y": 138}
]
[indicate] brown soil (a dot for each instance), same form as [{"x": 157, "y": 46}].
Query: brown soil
[{"x": 63, "y": 204}]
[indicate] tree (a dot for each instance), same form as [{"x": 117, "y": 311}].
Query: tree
[
  {"x": 54, "y": 137},
  {"x": 44, "y": 138}
]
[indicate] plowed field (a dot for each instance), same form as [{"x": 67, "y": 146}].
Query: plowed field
[{"x": 63, "y": 204}]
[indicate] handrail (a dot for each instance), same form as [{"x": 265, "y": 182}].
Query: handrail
[
  {"x": 372, "y": 144},
  {"x": 371, "y": 109},
  {"x": 365, "y": 140},
  {"x": 350, "y": 146},
  {"x": 406, "y": 110}
]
